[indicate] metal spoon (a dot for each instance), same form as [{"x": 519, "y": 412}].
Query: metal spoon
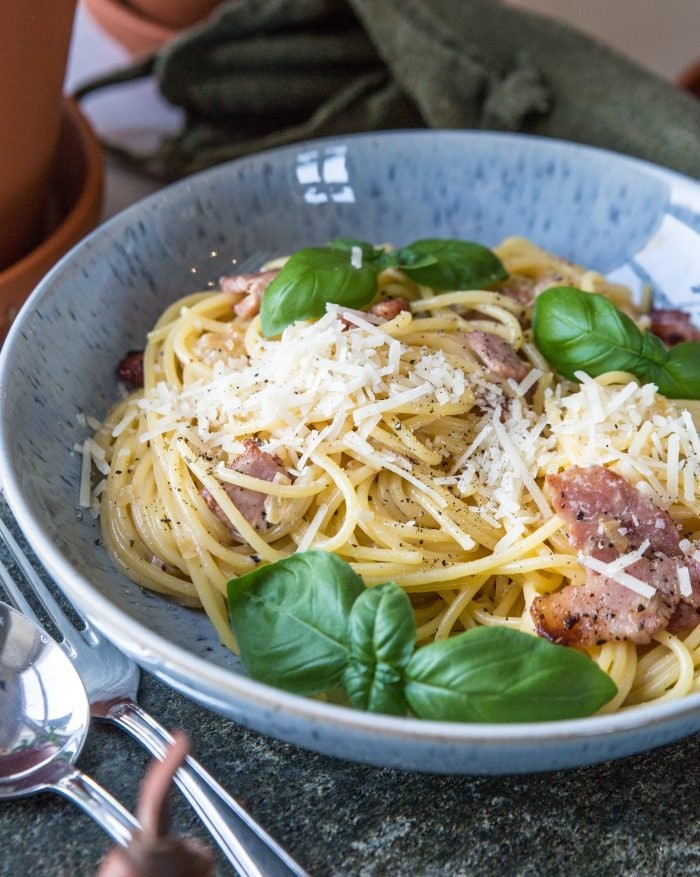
[{"x": 44, "y": 720}]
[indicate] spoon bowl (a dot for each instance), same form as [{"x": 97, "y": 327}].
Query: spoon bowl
[
  {"x": 44, "y": 720},
  {"x": 44, "y": 707}
]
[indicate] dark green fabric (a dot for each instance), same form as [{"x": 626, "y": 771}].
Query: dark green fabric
[{"x": 262, "y": 73}]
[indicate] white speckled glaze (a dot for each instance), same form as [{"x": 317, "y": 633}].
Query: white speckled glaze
[{"x": 626, "y": 218}]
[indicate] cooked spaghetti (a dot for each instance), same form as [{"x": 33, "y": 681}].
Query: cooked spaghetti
[{"x": 400, "y": 440}]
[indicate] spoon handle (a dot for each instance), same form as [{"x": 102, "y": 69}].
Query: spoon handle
[
  {"x": 245, "y": 843},
  {"x": 107, "y": 812}
]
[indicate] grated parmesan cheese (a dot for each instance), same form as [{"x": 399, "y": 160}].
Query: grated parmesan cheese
[
  {"x": 648, "y": 439},
  {"x": 622, "y": 578},
  {"x": 625, "y": 560},
  {"x": 316, "y": 373},
  {"x": 684, "y": 581}
]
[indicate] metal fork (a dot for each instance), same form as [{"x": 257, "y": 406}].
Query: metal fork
[{"x": 111, "y": 680}]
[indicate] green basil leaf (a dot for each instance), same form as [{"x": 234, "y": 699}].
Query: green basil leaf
[
  {"x": 405, "y": 258},
  {"x": 291, "y": 617},
  {"x": 309, "y": 280},
  {"x": 653, "y": 351},
  {"x": 494, "y": 674},
  {"x": 375, "y": 687},
  {"x": 680, "y": 378},
  {"x": 381, "y": 637},
  {"x": 369, "y": 253},
  {"x": 457, "y": 265},
  {"x": 576, "y": 330}
]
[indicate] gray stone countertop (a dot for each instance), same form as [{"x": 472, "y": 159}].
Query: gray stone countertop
[{"x": 637, "y": 816}]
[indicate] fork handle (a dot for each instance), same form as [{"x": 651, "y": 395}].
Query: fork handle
[
  {"x": 245, "y": 843},
  {"x": 107, "y": 812}
]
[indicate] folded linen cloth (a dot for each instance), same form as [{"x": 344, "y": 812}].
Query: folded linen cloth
[{"x": 263, "y": 73}]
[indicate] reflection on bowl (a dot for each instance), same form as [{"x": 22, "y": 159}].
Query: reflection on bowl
[{"x": 73, "y": 210}]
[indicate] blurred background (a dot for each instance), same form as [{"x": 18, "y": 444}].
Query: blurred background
[{"x": 662, "y": 37}]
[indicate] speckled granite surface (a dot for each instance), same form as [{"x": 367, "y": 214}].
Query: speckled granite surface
[{"x": 638, "y": 816}]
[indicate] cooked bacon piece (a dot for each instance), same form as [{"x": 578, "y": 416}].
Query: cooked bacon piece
[
  {"x": 589, "y": 497},
  {"x": 250, "y": 288},
  {"x": 497, "y": 355},
  {"x": 250, "y": 503},
  {"x": 685, "y": 617},
  {"x": 687, "y": 612},
  {"x": 130, "y": 369},
  {"x": 526, "y": 289},
  {"x": 522, "y": 289},
  {"x": 521, "y": 292},
  {"x": 389, "y": 308},
  {"x": 606, "y": 517},
  {"x": 673, "y": 327},
  {"x": 385, "y": 310},
  {"x": 602, "y": 609}
]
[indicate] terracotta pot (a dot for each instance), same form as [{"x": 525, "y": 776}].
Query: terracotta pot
[
  {"x": 175, "y": 13},
  {"x": 142, "y": 26},
  {"x": 71, "y": 210},
  {"x": 136, "y": 33},
  {"x": 35, "y": 40}
]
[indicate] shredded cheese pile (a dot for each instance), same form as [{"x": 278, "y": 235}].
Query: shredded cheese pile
[
  {"x": 316, "y": 373},
  {"x": 646, "y": 438}
]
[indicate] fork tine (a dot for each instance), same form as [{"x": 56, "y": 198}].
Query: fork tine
[
  {"x": 15, "y": 596},
  {"x": 57, "y": 615}
]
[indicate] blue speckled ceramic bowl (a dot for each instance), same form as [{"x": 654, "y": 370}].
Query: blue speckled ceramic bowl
[{"x": 623, "y": 217}]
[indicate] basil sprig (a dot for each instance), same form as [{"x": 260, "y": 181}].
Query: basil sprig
[
  {"x": 316, "y": 276},
  {"x": 291, "y": 633},
  {"x": 381, "y": 641},
  {"x": 307, "y": 624},
  {"x": 584, "y": 331}
]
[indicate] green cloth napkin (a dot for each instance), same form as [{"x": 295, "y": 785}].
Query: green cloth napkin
[{"x": 263, "y": 73}]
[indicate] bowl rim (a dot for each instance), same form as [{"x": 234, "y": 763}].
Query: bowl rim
[{"x": 173, "y": 658}]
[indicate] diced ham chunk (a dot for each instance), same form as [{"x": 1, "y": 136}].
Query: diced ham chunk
[
  {"x": 526, "y": 289},
  {"x": 130, "y": 368},
  {"x": 497, "y": 355},
  {"x": 521, "y": 289},
  {"x": 602, "y": 610},
  {"x": 383, "y": 310},
  {"x": 673, "y": 326},
  {"x": 250, "y": 503},
  {"x": 389, "y": 308},
  {"x": 249, "y": 288},
  {"x": 588, "y": 497},
  {"x": 687, "y": 614},
  {"x": 607, "y": 517}
]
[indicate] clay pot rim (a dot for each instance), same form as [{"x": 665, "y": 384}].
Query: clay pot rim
[
  {"x": 128, "y": 26},
  {"x": 79, "y": 216},
  {"x": 181, "y": 14}
]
